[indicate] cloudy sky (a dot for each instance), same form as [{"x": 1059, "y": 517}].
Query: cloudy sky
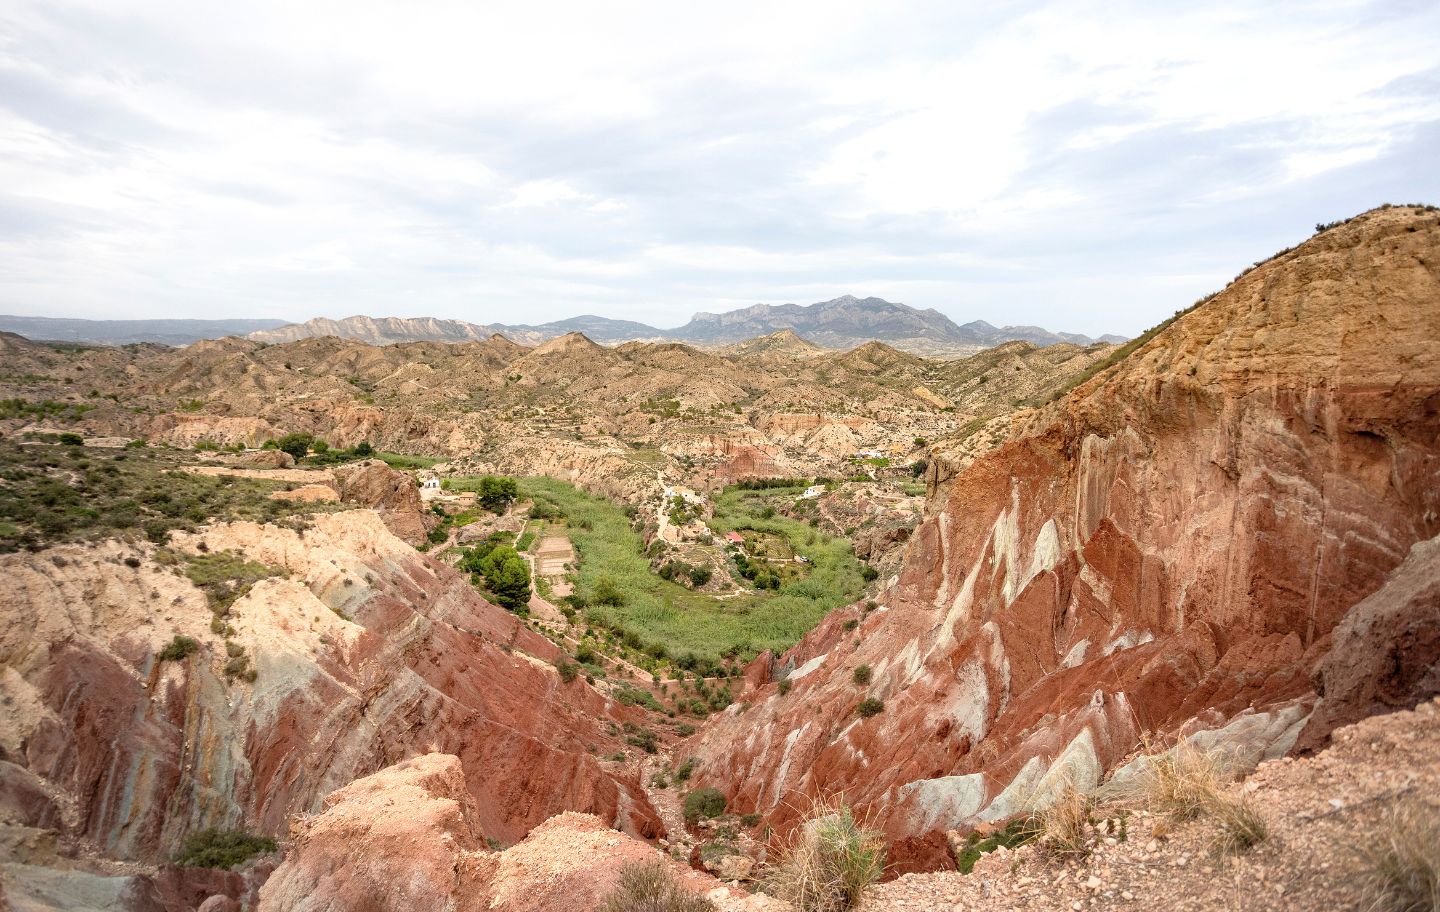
[{"x": 1084, "y": 166}]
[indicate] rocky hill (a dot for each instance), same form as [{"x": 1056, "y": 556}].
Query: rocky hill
[
  {"x": 613, "y": 416},
  {"x": 363, "y": 652},
  {"x": 1195, "y": 538}
]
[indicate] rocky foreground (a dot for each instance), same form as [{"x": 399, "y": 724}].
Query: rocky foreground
[{"x": 408, "y": 838}]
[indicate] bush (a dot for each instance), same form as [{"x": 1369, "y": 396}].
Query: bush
[
  {"x": 1401, "y": 869},
  {"x": 862, "y": 674},
  {"x": 685, "y": 770},
  {"x": 649, "y": 886},
  {"x": 297, "y": 444},
  {"x": 783, "y": 687},
  {"x": 179, "y": 648},
  {"x": 221, "y": 848},
  {"x": 870, "y": 706},
  {"x": 703, "y": 802},
  {"x": 830, "y": 861},
  {"x": 569, "y": 671}
]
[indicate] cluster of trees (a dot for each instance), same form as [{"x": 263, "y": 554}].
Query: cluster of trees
[
  {"x": 761, "y": 484},
  {"x": 756, "y": 571},
  {"x": 505, "y": 573},
  {"x": 302, "y": 445},
  {"x": 679, "y": 571}
]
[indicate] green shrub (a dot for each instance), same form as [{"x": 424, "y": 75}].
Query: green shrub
[
  {"x": 706, "y": 803},
  {"x": 179, "y": 648},
  {"x": 685, "y": 769},
  {"x": 862, "y": 674},
  {"x": 569, "y": 671},
  {"x": 221, "y": 848},
  {"x": 870, "y": 706},
  {"x": 783, "y": 687},
  {"x": 650, "y": 886},
  {"x": 297, "y": 444}
]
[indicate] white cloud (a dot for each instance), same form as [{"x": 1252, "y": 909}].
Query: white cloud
[{"x": 1014, "y": 162}]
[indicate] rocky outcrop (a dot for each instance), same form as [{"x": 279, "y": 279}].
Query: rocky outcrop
[
  {"x": 365, "y": 653},
  {"x": 393, "y": 494},
  {"x": 1169, "y": 547},
  {"x": 408, "y": 837}
]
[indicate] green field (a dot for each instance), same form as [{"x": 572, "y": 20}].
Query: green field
[{"x": 668, "y": 614}]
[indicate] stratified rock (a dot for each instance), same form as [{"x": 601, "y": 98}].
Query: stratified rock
[
  {"x": 1385, "y": 654},
  {"x": 394, "y": 494},
  {"x": 366, "y": 653},
  {"x": 1168, "y": 547}
]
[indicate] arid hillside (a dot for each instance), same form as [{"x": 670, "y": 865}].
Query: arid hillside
[
  {"x": 614, "y": 416},
  {"x": 1228, "y": 530}
]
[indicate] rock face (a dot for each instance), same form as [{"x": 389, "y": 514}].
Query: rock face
[
  {"x": 393, "y": 494},
  {"x": 1171, "y": 546},
  {"x": 366, "y": 654},
  {"x": 408, "y": 837}
]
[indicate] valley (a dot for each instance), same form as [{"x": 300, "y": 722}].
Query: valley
[{"x": 315, "y": 623}]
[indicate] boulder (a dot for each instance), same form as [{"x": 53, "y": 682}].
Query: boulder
[
  {"x": 393, "y": 494},
  {"x": 265, "y": 459}
]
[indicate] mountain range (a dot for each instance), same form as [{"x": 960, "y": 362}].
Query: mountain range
[
  {"x": 125, "y": 332},
  {"x": 841, "y": 323}
]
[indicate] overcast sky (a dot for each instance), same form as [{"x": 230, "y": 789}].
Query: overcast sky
[{"x": 1085, "y": 167}]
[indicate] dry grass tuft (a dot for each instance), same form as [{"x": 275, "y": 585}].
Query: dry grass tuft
[
  {"x": 1186, "y": 783},
  {"x": 649, "y": 886},
  {"x": 1183, "y": 783},
  {"x": 831, "y": 859},
  {"x": 1401, "y": 870},
  {"x": 1062, "y": 828}
]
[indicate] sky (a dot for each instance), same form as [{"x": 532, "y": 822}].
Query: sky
[{"x": 1087, "y": 167}]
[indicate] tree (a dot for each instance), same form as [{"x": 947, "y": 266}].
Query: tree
[
  {"x": 507, "y": 576},
  {"x": 497, "y": 493},
  {"x": 297, "y": 444},
  {"x": 364, "y": 450}
]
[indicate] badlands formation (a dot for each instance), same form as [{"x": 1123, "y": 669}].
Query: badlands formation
[{"x": 1222, "y": 536}]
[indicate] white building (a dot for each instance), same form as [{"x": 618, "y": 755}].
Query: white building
[{"x": 812, "y": 492}]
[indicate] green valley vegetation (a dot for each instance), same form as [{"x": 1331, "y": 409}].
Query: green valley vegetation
[{"x": 617, "y": 588}]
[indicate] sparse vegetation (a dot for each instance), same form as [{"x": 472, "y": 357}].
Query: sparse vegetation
[
  {"x": 829, "y": 861},
  {"x": 870, "y": 706},
  {"x": 178, "y": 649},
  {"x": 50, "y": 494},
  {"x": 1186, "y": 783},
  {"x": 1401, "y": 868},
  {"x": 1062, "y": 827},
  {"x": 650, "y": 886},
  {"x": 215, "y": 848}
]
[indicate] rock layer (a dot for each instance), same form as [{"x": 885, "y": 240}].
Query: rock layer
[
  {"x": 366, "y": 653},
  {"x": 1168, "y": 547}
]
